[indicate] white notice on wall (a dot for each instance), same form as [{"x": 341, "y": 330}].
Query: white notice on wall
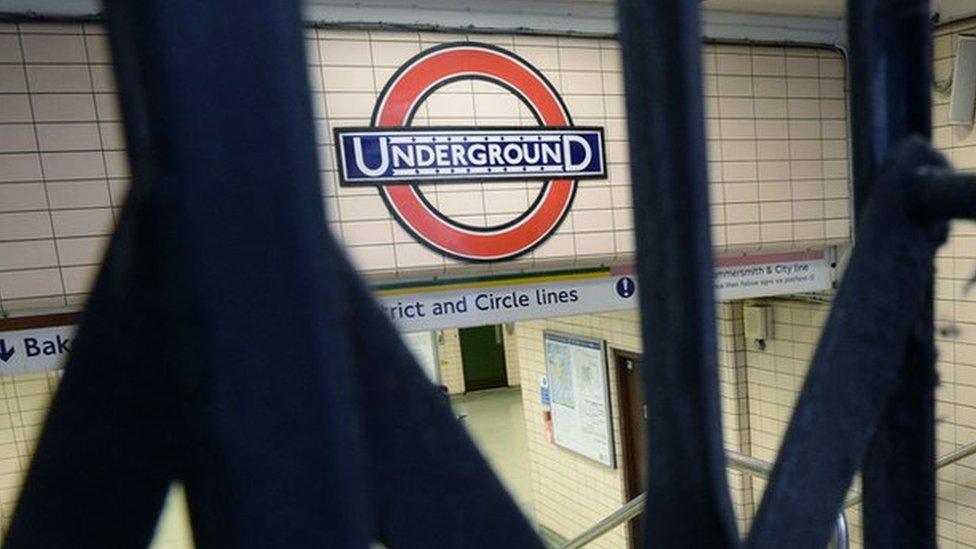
[
  {"x": 579, "y": 395},
  {"x": 526, "y": 298},
  {"x": 423, "y": 345},
  {"x": 773, "y": 274}
]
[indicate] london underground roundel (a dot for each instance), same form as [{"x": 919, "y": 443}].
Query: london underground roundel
[{"x": 396, "y": 157}]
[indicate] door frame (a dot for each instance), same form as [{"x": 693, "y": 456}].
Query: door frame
[{"x": 628, "y": 427}]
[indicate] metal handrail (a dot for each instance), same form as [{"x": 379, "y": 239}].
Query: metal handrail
[
  {"x": 751, "y": 466},
  {"x": 626, "y": 512},
  {"x": 745, "y": 464},
  {"x": 759, "y": 468},
  {"x": 748, "y": 464},
  {"x": 634, "y": 507},
  {"x": 958, "y": 454}
]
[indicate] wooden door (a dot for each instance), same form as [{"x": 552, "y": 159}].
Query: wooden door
[{"x": 633, "y": 416}]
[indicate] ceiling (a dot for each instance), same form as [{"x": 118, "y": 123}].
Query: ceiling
[
  {"x": 507, "y": 11},
  {"x": 948, "y": 10},
  {"x": 813, "y": 8}
]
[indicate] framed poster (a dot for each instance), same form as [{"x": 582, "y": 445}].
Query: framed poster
[{"x": 579, "y": 393}]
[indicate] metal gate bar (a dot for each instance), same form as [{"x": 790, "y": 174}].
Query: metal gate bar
[
  {"x": 891, "y": 71},
  {"x": 868, "y": 396},
  {"x": 890, "y": 78},
  {"x": 688, "y": 501},
  {"x": 867, "y": 401},
  {"x": 228, "y": 343}
]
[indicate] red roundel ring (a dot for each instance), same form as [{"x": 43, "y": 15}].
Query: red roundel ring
[{"x": 398, "y": 102}]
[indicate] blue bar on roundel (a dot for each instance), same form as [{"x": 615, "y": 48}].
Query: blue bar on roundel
[{"x": 375, "y": 156}]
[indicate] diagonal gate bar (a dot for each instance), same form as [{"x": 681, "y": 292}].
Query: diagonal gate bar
[
  {"x": 688, "y": 501},
  {"x": 228, "y": 343},
  {"x": 858, "y": 365}
]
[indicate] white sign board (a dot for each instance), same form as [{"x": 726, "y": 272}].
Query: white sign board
[
  {"x": 523, "y": 299},
  {"x": 460, "y": 305},
  {"x": 773, "y": 274},
  {"x": 576, "y": 368},
  {"x": 35, "y": 349},
  {"x": 423, "y": 346},
  {"x": 437, "y": 307}
]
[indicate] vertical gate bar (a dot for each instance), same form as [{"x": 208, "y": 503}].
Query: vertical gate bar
[
  {"x": 891, "y": 56},
  {"x": 213, "y": 349},
  {"x": 688, "y": 501},
  {"x": 890, "y": 71},
  {"x": 110, "y": 411}
]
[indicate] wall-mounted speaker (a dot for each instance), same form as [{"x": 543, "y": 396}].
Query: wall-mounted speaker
[
  {"x": 758, "y": 323},
  {"x": 962, "y": 101}
]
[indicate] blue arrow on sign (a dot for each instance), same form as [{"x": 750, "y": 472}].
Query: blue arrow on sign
[{"x": 5, "y": 353}]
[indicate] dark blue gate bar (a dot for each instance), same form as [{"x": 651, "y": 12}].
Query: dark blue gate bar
[
  {"x": 858, "y": 368},
  {"x": 216, "y": 364},
  {"x": 228, "y": 343},
  {"x": 891, "y": 72},
  {"x": 868, "y": 400},
  {"x": 687, "y": 495}
]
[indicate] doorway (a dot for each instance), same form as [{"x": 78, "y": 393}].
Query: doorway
[
  {"x": 633, "y": 416},
  {"x": 483, "y": 358}
]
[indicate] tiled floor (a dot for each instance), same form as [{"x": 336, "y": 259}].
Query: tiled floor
[{"x": 495, "y": 421}]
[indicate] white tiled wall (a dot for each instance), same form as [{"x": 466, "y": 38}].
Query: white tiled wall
[
  {"x": 766, "y": 388},
  {"x": 955, "y": 310},
  {"x": 777, "y": 145},
  {"x": 511, "y": 356},
  {"x": 777, "y": 127},
  {"x": 63, "y": 169},
  {"x": 775, "y": 120},
  {"x": 774, "y": 377},
  {"x": 23, "y": 405},
  {"x": 735, "y": 406},
  {"x": 571, "y": 493},
  {"x": 452, "y": 371}
]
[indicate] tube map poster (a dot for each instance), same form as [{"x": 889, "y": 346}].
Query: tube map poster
[{"x": 580, "y": 397}]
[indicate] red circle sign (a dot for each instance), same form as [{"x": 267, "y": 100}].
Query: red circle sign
[{"x": 396, "y": 106}]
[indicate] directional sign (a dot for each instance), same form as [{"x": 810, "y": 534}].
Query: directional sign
[
  {"x": 454, "y": 304},
  {"x": 507, "y": 299},
  {"x": 35, "y": 349},
  {"x": 773, "y": 274}
]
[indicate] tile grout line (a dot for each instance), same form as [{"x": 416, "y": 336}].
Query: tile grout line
[{"x": 40, "y": 164}]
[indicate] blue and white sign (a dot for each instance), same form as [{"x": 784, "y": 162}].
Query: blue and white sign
[
  {"x": 544, "y": 393},
  {"x": 35, "y": 349},
  {"x": 372, "y": 156},
  {"x": 616, "y": 289},
  {"x": 477, "y": 306}
]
